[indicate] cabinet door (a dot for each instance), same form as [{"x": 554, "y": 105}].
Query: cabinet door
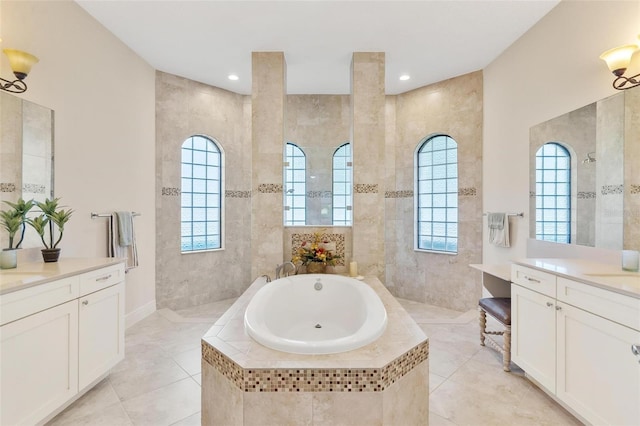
[
  {"x": 101, "y": 331},
  {"x": 533, "y": 335},
  {"x": 38, "y": 364},
  {"x": 598, "y": 375}
]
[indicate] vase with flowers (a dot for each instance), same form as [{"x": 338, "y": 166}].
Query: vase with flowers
[{"x": 314, "y": 255}]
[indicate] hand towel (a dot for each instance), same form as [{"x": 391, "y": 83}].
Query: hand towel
[
  {"x": 114, "y": 249},
  {"x": 124, "y": 228},
  {"x": 498, "y": 224}
]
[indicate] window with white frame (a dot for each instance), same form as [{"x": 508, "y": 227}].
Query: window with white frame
[
  {"x": 342, "y": 185},
  {"x": 295, "y": 185},
  {"x": 553, "y": 193},
  {"x": 437, "y": 195},
  {"x": 201, "y": 195}
]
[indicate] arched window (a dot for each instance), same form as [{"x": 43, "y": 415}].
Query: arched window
[
  {"x": 201, "y": 205},
  {"x": 295, "y": 186},
  {"x": 553, "y": 193},
  {"x": 342, "y": 178},
  {"x": 437, "y": 195}
]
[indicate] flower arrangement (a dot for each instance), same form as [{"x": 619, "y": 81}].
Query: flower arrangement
[{"x": 315, "y": 251}]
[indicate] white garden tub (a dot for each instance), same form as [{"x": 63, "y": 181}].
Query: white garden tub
[{"x": 292, "y": 315}]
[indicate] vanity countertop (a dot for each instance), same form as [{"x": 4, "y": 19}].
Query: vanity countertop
[
  {"x": 607, "y": 276},
  {"x": 29, "y": 274}
]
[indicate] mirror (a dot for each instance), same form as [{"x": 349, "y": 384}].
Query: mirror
[
  {"x": 316, "y": 148},
  {"x": 26, "y": 156},
  {"x": 594, "y": 137}
]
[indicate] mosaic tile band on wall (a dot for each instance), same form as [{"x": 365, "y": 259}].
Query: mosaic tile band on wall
[
  {"x": 408, "y": 193},
  {"x": 7, "y": 187},
  {"x": 338, "y": 239},
  {"x": 175, "y": 192},
  {"x": 316, "y": 380}
]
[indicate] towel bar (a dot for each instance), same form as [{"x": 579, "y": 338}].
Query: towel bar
[
  {"x": 95, "y": 215},
  {"x": 510, "y": 214}
]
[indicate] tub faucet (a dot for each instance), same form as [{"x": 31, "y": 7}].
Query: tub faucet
[{"x": 287, "y": 268}]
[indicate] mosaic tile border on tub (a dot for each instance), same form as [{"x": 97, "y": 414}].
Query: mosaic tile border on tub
[
  {"x": 316, "y": 380},
  {"x": 634, "y": 189}
]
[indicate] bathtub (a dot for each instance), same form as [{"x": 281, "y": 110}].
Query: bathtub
[{"x": 315, "y": 314}]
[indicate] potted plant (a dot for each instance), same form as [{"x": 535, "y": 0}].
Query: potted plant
[
  {"x": 14, "y": 221},
  {"x": 314, "y": 255},
  {"x": 50, "y": 218}
]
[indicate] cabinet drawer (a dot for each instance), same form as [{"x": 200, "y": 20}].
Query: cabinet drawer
[
  {"x": 22, "y": 303},
  {"x": 616, "y": 307},
  {"x": 101, "y": 278},
  {"x": 533, "y": 279}
]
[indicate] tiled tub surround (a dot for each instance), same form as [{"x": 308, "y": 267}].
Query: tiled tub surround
[{"x": 385, "y": 382}]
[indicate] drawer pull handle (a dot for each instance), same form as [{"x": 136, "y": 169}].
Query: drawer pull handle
[
  {"x": 85, "y": 302},
  {"x": 558, "y": 308},
  {"x": 531, "y": 279},
  {"x": 106, "y": 277},
  {"x": 635, "y": 349},
  {"x": 549, "y": 304}
]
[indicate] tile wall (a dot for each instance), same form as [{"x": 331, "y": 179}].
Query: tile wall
[
  {"x": 452, "y": 107},
  {"x": 185, "y": 108}
]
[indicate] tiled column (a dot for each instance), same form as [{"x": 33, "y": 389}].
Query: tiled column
[
  {"x": 268, "y": 100},
  {"x": 368, "y": 139}
]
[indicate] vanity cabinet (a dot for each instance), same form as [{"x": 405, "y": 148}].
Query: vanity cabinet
[
  {"x": 38, "y": 363},
  {"x": 576, "y": 344},
  {"x": 56, "y": 340}
]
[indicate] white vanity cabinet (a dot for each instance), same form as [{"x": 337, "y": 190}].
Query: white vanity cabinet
[
  {"x": 100, "y": 323},
  {"x": 576, "y": 343},
  {"x": 56, "y": 339}
]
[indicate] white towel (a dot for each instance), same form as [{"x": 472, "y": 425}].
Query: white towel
[
  {"x": 498, "y": 224},
  {"x": 114, "y": 249}
]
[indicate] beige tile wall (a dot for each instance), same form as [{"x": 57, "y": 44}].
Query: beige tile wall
[
  {"x": 381, "y": 240},
  {"x": 185, "y": 108},
  {"x": 452, "y": 107}
]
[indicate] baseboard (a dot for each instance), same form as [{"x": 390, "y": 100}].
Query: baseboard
[{"x": 139, "y": 314}]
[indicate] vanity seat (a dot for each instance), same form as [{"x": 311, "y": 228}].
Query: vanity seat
[
  {"x": 61, "y": 331},
  {"x": 574, "y": 325}
]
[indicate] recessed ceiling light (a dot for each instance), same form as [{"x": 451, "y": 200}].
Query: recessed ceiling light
[
  {"x": 233, "y": 77},
  {"x": 404, "y": 77}
]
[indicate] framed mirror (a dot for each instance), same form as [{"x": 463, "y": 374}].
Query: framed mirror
[
  {"x": 26, "y": 155},
  {"x": 581, "y": 182}
]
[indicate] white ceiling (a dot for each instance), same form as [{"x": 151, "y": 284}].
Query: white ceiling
[{"x": 208, "y": 40}]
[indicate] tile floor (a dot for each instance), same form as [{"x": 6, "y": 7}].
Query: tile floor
[{"x": 158, "y": 383}]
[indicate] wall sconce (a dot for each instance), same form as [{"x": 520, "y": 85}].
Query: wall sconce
[
  {"x": 21, "y": 63},
  {"x": 618, "y": 60}
]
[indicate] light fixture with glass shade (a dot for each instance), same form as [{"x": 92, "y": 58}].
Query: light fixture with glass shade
[
  {"x": 21, "y": 63},
  {"x": 618, "y": 60}
]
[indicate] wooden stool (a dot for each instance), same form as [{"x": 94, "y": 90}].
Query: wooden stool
[{"x": 500, "y": 309}]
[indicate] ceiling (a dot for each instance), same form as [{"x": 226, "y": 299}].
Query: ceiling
[{"x": 207, "y": 40}]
